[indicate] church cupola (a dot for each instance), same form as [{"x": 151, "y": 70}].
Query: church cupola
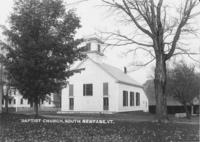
[
  {"x": 94, "y": 45},
  {"x": 94, "y": 48}
]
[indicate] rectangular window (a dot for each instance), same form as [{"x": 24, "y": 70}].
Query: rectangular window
[
  {"x": 88, "y": 46},
  {"x": 125, "y": 98},
  {"x": 105, "y": 89},
  {"x": 105, "y": 103},
  {"x": 31, "y": 104},
  {"x": 87, "y": 90},
  {"x": 71, "y": 90},
  {"x": 10, "y": 101},
  {"x": 131, "y": 98},
  {"x": 99, "y": 48},
  {"x": 14, "y": 91},
  {"x": 71, "y": 103},
  {"x": 21, "y": 101},
  {"x": 137, "y": 99},
  {"x": 14, "y": 101}
]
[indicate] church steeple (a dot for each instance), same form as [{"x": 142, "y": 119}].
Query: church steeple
[
  {"x": 94, "y": 48},
  {"x": 94, "y": 45}
]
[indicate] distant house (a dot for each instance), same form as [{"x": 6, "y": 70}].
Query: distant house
[
  {"x": 173, "y": 106},
  {"x": 101, "y": 87},
  {"x": 17, "y": 103}
]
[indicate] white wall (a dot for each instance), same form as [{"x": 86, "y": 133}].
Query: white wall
[
  {"x": 95, "y": 75},
  {"x": 143, "y": 98},
  {"x": 64, "y": 99},
  {"x": 18, "y": 98}
]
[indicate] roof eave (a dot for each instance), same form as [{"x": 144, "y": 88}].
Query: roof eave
[{"x": 130, "y": 84}]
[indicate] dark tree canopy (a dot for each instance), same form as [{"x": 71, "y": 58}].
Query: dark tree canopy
[{"x": 41, "y": 47}]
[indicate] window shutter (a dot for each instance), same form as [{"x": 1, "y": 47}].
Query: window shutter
[
  {"x": 105, "y": 89},
  {"x": 83, "y": 89},
  {"x": 91, "y": 90},
  {"x": 137, "y": 99},
  {"x": 71, "y": 90}
]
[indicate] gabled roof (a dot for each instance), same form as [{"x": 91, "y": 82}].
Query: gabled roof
[
  {"x": 114, "y": 72},
  {"x": 94, "y": 39},
  {"x": 118, "y": 74}
]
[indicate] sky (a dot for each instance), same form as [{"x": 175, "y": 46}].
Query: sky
[{"x": 96, "y": 18}]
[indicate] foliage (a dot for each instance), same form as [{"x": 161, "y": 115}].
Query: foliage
[
  {"x": 57, "y": 100},
  {"x": 41, "y": 47},
  {"x": 14, "y": 130}
]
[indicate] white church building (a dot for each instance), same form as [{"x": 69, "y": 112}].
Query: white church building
[{"x": 100, "y": 87}]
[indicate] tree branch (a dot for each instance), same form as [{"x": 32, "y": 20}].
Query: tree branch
[
  {"x": 125, "y": 8},
  {"x": 141, "y": 65},
  {"x": 141, "y": 48},
  {"x": 186, "y": 15},
  {"x": 126, "y": 40}
]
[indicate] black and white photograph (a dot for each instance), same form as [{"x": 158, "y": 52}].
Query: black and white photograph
[{"x": 99, "y": 71}]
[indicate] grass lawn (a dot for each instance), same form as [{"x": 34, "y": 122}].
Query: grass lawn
[
  {"x": 13, "y": 130},
  {"x": 124, "y": 116}
]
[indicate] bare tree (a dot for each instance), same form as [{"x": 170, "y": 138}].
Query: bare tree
[
  {"x": 163, "y": 32},
  {"x": 183, "y": 84}
]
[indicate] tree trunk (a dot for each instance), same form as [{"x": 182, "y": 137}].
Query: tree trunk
[
  {"x": 192, "y": 109},
  {"x": 1, "y": 97},
  {"x": 187, "y": 111},
  {"x": 160, "y": 85},
  {"x": 36, "y": 107},
  {"x": 6, "y": 103},
  {"x": 7, "y": 98},
  {"x": 1, "y": 86}
]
